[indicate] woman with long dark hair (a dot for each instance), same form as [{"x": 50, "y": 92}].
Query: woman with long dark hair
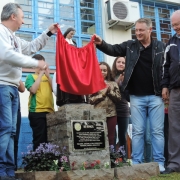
[{"x": 122, "y": 106}]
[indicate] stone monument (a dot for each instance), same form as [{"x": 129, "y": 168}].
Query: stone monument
[{"x": 82, "y": 130}]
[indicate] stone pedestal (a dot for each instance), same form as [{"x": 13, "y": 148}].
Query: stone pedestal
[
  {"x": 37, "y": 175},
  {"x": 135, "y": 172},
  {"x": 59, "y": 132},
  {"x": 92, "y": 174},
  {"x": 138, "y": 171}
]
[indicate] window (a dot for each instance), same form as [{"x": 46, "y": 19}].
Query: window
[
  {"x": 160, "y": 14},
  {"x": 87, "y": 16},
  {"x": 66, "y": 14},
  {"x": 83, "y": 15},
  {"x": 26, "y": 5}
]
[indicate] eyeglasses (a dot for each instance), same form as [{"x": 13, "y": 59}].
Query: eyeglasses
[{"x": 175, "y": 25}]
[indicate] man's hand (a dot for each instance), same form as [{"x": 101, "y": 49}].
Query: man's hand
[
  {"x": 165, "y": 94},
  {"x": 21, "y": 87},
  {"x": 97, "y": 40},
  {"x": 54, "y": 27}
]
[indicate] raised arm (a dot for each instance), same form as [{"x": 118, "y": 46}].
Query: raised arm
[
  {"x": 111, "y": 50},
  {"x": 31, "y": 85},
  {"x": 38, "y": 43}
]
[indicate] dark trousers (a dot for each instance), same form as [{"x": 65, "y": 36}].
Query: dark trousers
[
  {"x": 166, "y": 131},
  {"x": 39, "y": 128},
  {"x": 111, "y": 125},
  {"x": 174, "y": 130},
  {"x": 16, "y": 138},
  {"x": 122, "y": 131}
]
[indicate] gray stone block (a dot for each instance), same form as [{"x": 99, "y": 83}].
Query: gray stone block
[{"x": 60, "y": 131}]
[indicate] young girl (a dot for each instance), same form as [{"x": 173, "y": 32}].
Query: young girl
[
  {"x": 122, "y": 107},
  {"x": 106, "y": 99}
]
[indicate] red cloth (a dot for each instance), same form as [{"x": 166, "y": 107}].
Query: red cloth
[{"x": 77, "y": 69}]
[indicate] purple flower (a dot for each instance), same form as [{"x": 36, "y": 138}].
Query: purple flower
[
  {"x": 64, "y": 159},
  {"x": 121, "y": 150},
  {"x": 112, "y": 150}
]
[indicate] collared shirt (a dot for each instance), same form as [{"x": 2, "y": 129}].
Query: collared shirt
[{"x": 141, "y": 81}]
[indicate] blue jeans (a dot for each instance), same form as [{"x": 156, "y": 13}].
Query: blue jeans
[
  {"x": 147, "y": 144},
  {"x": 153, "y": 106},
  {"x": 8, "y": 117}
]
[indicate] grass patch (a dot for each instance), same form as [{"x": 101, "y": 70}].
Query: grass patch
[{"x": 172, "y": 176}]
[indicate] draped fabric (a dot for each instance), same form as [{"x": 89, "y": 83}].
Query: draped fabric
[{"x": 77, "y": 69}]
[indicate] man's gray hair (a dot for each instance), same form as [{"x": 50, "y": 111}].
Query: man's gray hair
[
  {"x": 8, "y": 10},
  {"x": 147, "y": 21},
  {"x": 176, "y": 13}
]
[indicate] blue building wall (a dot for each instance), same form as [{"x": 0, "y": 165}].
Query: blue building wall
[{"x": 25, "y": 138}]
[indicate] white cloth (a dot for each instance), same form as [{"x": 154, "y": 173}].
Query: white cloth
[
  {"x": 12, "y": 59},
  {"x": 129, "y": 130},
  {"x": 69, "y": 41}
]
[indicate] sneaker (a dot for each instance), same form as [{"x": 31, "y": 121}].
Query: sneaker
[{"x": 161, "y": 168}]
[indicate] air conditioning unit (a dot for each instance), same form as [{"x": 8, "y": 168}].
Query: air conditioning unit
[{"x": 123, "y": 13}]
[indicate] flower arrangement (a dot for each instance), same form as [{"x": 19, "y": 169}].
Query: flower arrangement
[
  {"x": 47, "y": 157},
  {"x": 64, "y": 164},
  {"x": 106, "y": 165},
  {"x": 92, "y": 165},
  {"x": 95, "y": 164},
  {"x": 84, "y": 166},
  {"x": 117, "y": 157},
  {"x": 44, "y": 158}
]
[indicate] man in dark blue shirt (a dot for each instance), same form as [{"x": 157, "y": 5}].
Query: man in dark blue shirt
[{"x": 171, "y": 81}]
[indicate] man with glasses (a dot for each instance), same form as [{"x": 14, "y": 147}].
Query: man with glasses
[
  {"x": 171, "y": 81},
  {"x": 144, "y": 57}
]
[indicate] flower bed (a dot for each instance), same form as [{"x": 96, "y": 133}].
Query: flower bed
[
  {"x": 140, "y": 171},
  {"x": 48, "y": 163}
]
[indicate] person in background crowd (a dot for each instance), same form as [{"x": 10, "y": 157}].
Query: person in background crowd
[
  {"x": 12, "y": 59},
  {"x": 122, "y": 106},
  {"x": 40, "y": 102},
  {"x": 142, "y": 77},
  {"x": 171, "y": 81},
  {"x": 106, "y": 99},
  {"x": 64, "y": 97},
  {"x": 21, "y": 88}
]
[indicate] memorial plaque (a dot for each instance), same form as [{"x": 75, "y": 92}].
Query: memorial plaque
[{"x": 88, "y": 134}]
